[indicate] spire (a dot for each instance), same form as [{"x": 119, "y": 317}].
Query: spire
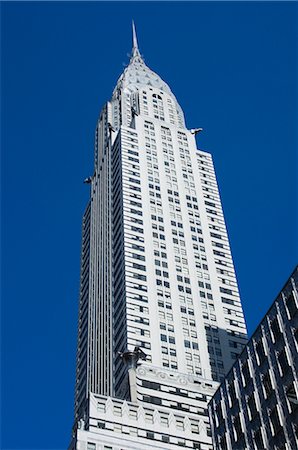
[
  {"x": 134, "y": 38},
  {"x": 135, "y": 47}
]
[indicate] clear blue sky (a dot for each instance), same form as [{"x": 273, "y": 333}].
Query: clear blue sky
[{"x": 233, "y": 68}]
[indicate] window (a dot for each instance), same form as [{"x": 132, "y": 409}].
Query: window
[
  {"x": 260, "y": 351},
  {"x": 266, "y": 379},
  {"x": 187, "y": 344},
  {"x": 117, "y": 410},
  {"x": 232, "y": 393},
  {"x": 223, "y": 443},
  {"x": 275, "y": 328},
  {"x": 151, "y": 385},
  {"x": 246, "y": 373},
  {"x": 139, "y": 266},
  {"x": 148, "y": 415},
  {"x": 291, "y": 305},
  {"x": 180, "y": 424},
  {"x": 292, "y": 396},
  {"x": 258, "y": 440},
  {"x": 274, "y": 419},
  {"x": 101, "y": 407},
  {"x": 237, "y": 427},
  {"x": 219, "y": 416},
  {"x": 295, "y": 334},
  {"x": 150, "y": 435},
  {"x": 133, "y": 413},
  {"x": 283, "y": 362},
  {"x": 252, "y": 407},
  {"x": 91, "y": 446},
  {"x": 164, "y": 420}
]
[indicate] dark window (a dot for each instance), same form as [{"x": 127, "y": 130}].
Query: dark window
[
  {"x": 150, "y": 435},
  {"x": 252, "y": 406},
  {"x": 151, "y": 399},
  {"x": 139, "y": 277},
  {"x": 237, "y": 427},
  {"x": 292, "y": 396},
  {"x": 227, "y": 300},
  {"x": 133, "y": 180},
  {"x": 267, "y": 384},
  {"x": 246, "y": 373},
  {"x": 258, "y": 440},
  {"x": 260, "y": 351},
  {"x": 223, "y": 443},
  {"x": 283, "y": 362},
  {"x": 275, "y": 328},
  {"x": 295, "y": 333},
  {"x": 232, "y": 392},
  {"x": 151, "y": 385},
  {"x": 282, "y": 447},
  {"x": 138, "y": 230},
  {"x": 274, "y": 417},
  {"x": 218, "y": 411},
  {"x": 291, "y": 305},
  {"x": 138, "y": 266}
]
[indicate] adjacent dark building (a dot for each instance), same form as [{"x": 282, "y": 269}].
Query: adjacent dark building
[{"x": 256, "y": 406}]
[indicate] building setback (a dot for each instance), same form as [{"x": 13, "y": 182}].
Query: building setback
[
  {"x": 256, "y": 406},
  {"x": 160, "y": 318}
]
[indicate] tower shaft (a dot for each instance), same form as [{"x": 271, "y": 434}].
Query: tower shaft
[{"x": 157, "y": 271}]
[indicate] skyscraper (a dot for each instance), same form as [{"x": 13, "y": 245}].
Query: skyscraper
[{"x": 160, "y": 319}]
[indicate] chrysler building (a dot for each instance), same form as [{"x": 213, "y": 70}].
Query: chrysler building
[{"x": 160, "y": 319}]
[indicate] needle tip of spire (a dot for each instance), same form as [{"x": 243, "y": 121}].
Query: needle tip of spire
[{"x": 134, "y": 37}]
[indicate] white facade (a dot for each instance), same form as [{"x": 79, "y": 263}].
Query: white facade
[
  {"x": 120, "y": 424},
  {"x": 157, "y": 271}
]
